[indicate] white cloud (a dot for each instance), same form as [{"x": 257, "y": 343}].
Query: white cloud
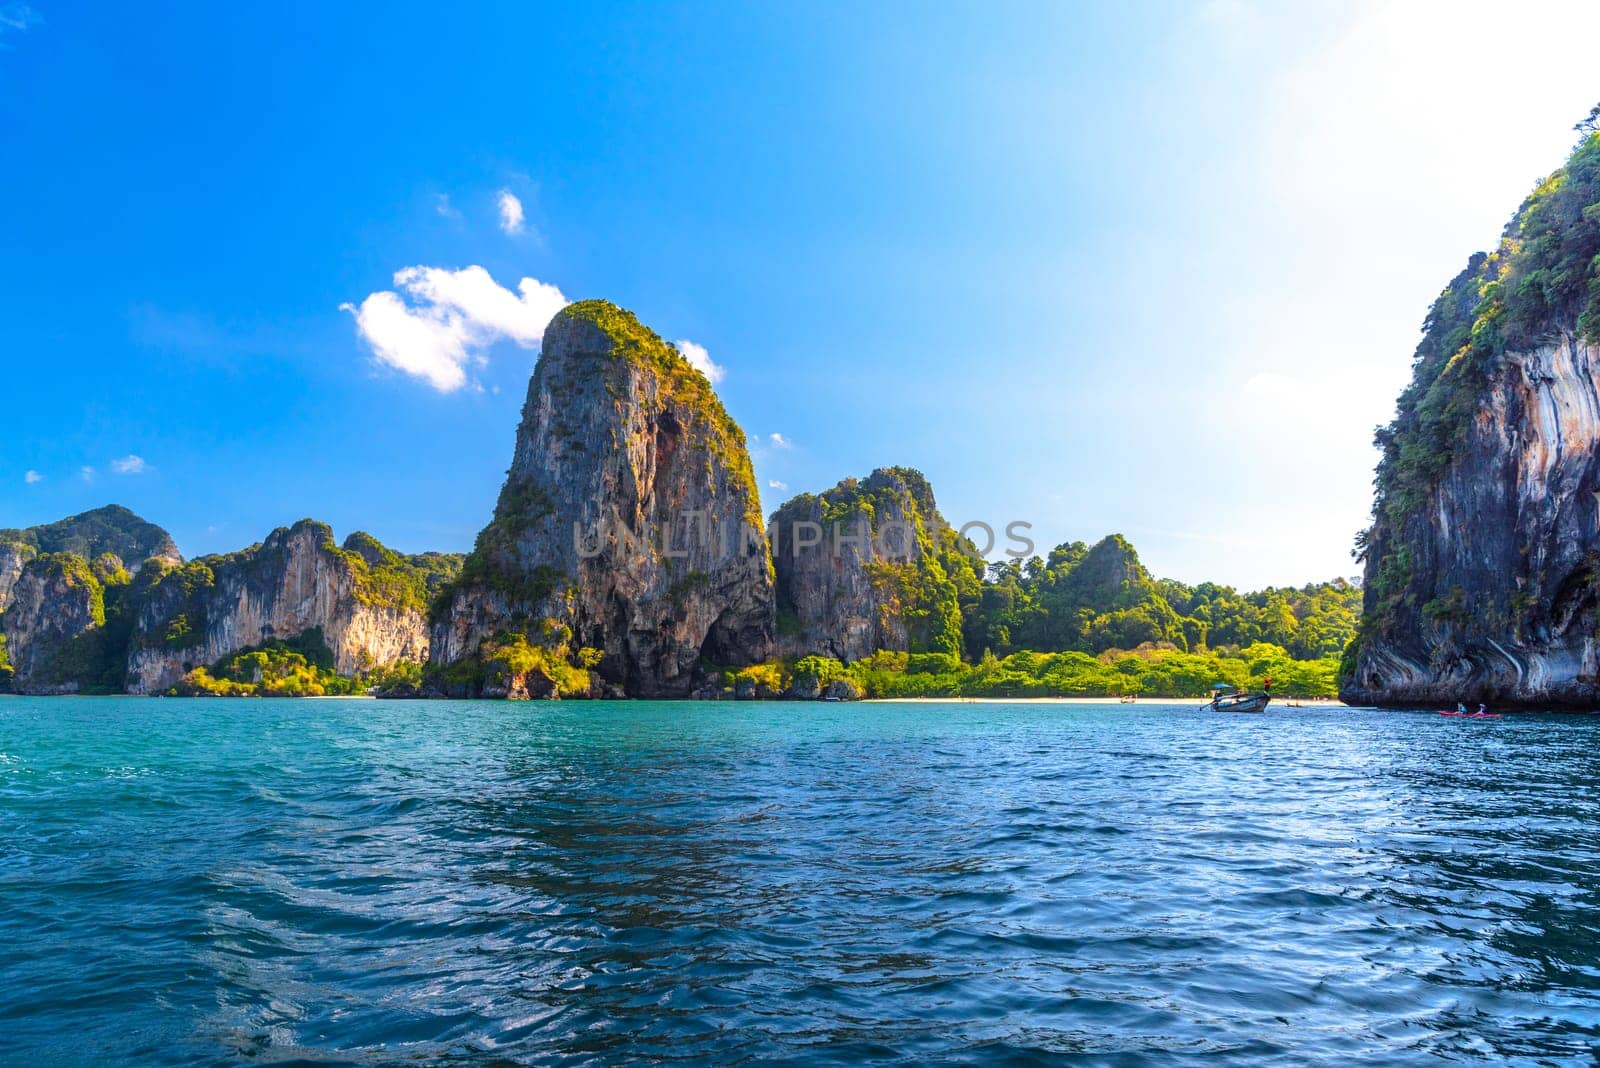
[
  {"x": 33, "y": 478},
  {"x": 443, "y": 206},
  {"x": 130, "y": 465},
  {"x": 452, "y": 317},
  {"x": 779, "y": 441},
  {"x": 87, "y": 473},
  {"x": 700, "y": 360},
  {"x": 775, "y": 484},
  {"x": 510, "y": 212}
]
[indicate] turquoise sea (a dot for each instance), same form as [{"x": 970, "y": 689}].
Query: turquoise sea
[{"x": 363, "y": 882}]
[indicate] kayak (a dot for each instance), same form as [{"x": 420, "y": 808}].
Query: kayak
[{"x": 1472, "y": 715}]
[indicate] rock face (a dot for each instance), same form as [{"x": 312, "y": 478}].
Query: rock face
[
  {"x": 57, "y": 605},
  {"x": 369, "y": 609},
  {"x": 628, "y": 532},
  {"x": 12, "y": 556},
  {"x": 866, "y": 566},
  {"x": 1483, "y": 562},
  {"x": 112, "y": 529},
  {"x": 1493, "y": 581}
]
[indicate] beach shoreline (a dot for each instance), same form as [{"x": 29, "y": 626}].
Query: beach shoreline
[{"x": 1319, "y": 702}]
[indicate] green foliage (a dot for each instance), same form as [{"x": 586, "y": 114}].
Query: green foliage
[
  {"x": 542, "y": 660},
  {"x": 6, "y": 672},
  {"x": 381, "y": 578},
  {"x": 400, "y": 673},
  {"x": 1450, "y": 608},
  {"x": 1150, "y": 670},
  {"x": 108, "y": 570},
  {"x": 1089, "y": 600},
  {"x": 302, "y": 666},
  {"x": 183, "y": 592},
  {"x": 386, "y": 579},
  {"x": 815, "y": 673},
  {"x": 769, "y": 679},
  {"x": 112, "y": 529},
  {"x": 496, "y": 562}
]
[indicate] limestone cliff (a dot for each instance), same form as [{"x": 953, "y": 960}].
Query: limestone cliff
[
  {"x": 112, "y": 529},
  {"x": 1483, "y": 561},
  {"x": 367, "y": 601},
  {"x": 57, "y": 608},
  {"x": 627, "y": 536},
  {"x": 865, "y": 566}
]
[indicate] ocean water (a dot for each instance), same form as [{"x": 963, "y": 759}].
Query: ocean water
[{"x": 365, "y": 882}]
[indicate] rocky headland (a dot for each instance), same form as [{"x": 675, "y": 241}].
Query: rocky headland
[{"x": 1483, "y": 559}]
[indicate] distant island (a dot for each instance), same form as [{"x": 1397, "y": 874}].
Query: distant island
[{"x": 597, "y": 577}]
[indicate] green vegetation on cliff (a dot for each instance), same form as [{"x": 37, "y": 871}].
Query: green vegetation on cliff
[
  {"x": 681, "y": 384},
  {"x": 926, "y": 569},
  {"x": 386, "y": 579},
  {"x": 380, "y": 578},
  {"x": 183, "y": 592}
]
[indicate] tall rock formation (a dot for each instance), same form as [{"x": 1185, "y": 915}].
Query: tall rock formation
[
  {"x": 368, "y": 602},
  {"x": 1483, "y": 560},
  {"x": 628, "y": 532},
  {"x": 868, "y": 565}
]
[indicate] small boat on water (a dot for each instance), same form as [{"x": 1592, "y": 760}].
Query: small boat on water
[{"x": 1227, "y": 699}]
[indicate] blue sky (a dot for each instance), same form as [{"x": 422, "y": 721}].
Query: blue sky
[{"x": 1154, "y": 268}]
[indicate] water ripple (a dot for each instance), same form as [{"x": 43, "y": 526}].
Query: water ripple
[{"x": 361, "y": 883}]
